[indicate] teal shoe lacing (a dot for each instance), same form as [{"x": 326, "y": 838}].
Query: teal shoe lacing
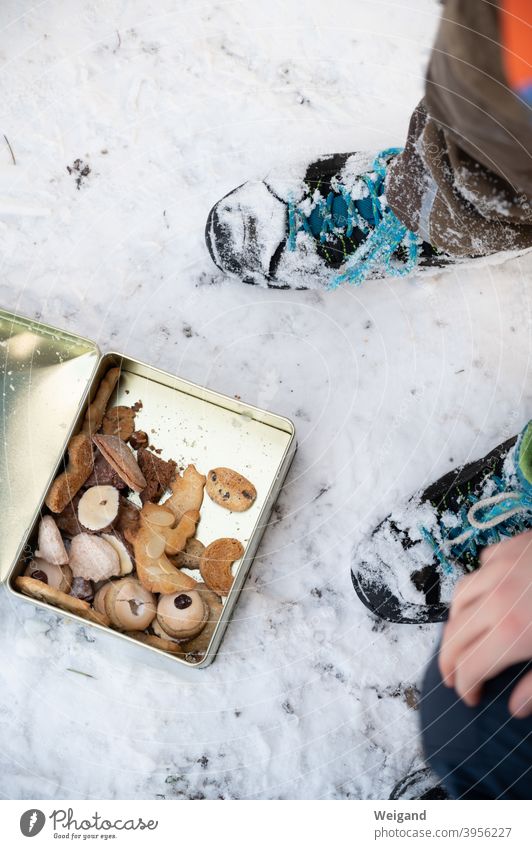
[
  {"x": 339, "y": 214},
  {"x": 482, "y": 522}
]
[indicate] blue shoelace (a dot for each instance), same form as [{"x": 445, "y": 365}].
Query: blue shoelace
[
  {"x": 339, "y": 214},
  {"x": 483, "y": 522}
]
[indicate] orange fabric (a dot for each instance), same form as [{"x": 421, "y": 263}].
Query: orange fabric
[{"x": 516, "y": 37}]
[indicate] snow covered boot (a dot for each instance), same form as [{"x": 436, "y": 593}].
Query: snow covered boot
[
  {"x": 327, "y": 225},
  {"x": 421, "y": 784},
  {"x": 407, "y": 569}
]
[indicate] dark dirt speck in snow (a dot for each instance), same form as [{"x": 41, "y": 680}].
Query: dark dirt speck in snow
[{"x": 80, "y": 171}]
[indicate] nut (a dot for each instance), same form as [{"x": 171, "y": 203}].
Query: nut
[
  {"x": 126, "y": 563},
  {"x": 139, "y": 439},
  {"x": 98, "y": 507},
  {"x": 121, "y": 458},
  {"x": 93, "y": 558},
  {"x": 57, "y": 577},
  {"x": 129, "y": 605},
  {"x": 50, "y": 545},
  {"x": 216, "y": 563}
]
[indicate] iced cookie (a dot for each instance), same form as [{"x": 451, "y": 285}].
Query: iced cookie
[
  {"x": 57, "y": 577},
  {"x": 99, "y": 597},
  {"x": 198, "y": 645},
  {"x": 182, "y": 615},
  {"x": 129, "y": 606},
  {"x": 50, "y": 545},
  {"x": 93, "y": 558}
]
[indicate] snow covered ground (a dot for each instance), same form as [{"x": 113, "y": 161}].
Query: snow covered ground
[{"x": 170, "y": 105}]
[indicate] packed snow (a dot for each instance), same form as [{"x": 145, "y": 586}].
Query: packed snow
[{"x": 126, "y": 121}]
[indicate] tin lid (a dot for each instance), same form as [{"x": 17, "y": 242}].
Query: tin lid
[{"x": 44, "y": 374}]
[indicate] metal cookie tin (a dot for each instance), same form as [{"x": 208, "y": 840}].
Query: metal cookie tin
[{"x": 49, "y": 378}]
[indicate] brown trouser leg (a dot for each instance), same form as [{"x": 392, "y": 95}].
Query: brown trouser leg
[{"x": 464, "y": 179}]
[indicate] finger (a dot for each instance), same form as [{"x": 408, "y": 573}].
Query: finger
[
  {"x": 460, "y": 632},
  {"x": 520, "y": 704},
  {"x": 496, "y": 650},
  {"x": 483, "y": 581},
  {"x": 512, "y": 549}
]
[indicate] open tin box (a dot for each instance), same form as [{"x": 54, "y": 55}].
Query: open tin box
[{"x": 49, "y": 377}]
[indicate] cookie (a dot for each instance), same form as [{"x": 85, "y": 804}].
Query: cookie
[
  {"x": 98, "y": 507},
  {"x": 91, "y": 557},
  {"x": 121, "y": 458},
  {"x": 129, "y": 605},
  {"x": 67, "y": 520},
  {"x": 57, "y": 577},
  {"x": 177, "y": 538},
  {"x": 187, "y": 493},
  {"x": 216, "y": 563},
  {"x": 128, "y": 516},
  {"x": 43, "y": 592},
  {"x": 78, "y": 469},
  {"x": 230, "y": 489},
  {"x": 199, "y": 645},
  {"x": 50, "y": 545},
  {"x": 156, "y": 642},
  {"x": 139, "y": 439},
  {"x": 124, "y": 556},
  {"x": 83, "y": 589},
  {"x": 103, "y": 474},
  {"x": 158, "y": 473},
  {"x": 96, "y": 411},
  {"x": 154, "y": 569},
  {"x": 119, "y": 421},
  {"x": 182, "y": 615},
  {"x": 190, "y": 557}
]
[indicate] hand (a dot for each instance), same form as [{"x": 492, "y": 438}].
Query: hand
[{"x": 490, "y": 624}]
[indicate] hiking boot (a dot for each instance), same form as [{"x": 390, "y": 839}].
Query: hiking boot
[
  {"x": 406, "y": 571},
  {"x": 327, "y": 226}
]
